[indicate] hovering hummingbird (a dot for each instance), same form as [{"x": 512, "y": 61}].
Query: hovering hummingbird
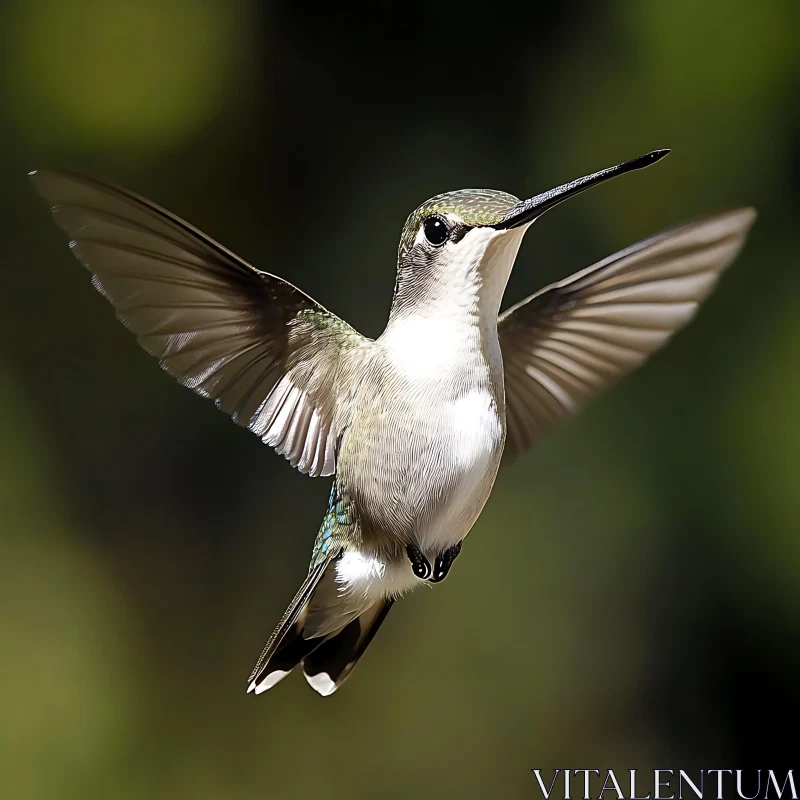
[{"x": 414, "y": 424}]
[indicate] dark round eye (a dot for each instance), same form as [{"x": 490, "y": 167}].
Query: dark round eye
[{"x": 436, "y": 230}]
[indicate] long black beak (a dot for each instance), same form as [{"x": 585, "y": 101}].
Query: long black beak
[{"x": 529, "y": 210}]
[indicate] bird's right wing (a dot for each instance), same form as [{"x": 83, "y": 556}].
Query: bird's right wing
[
  {"x": 265, "y": 352},
  {"x": 566, "y": 343}
]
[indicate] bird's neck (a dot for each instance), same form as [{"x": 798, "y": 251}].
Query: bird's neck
[
  {"x": 463, "y": 296},
  {"x": 444, "y": 328}
]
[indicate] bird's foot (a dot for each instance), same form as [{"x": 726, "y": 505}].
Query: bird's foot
[
  {"x": 420, "y": 565},
  {"x": 443, "y": 563}
]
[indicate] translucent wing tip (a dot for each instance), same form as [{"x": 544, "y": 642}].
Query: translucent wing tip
[
  {"x": 735, "y": 223},
  {"x": 738, "y": 219}
]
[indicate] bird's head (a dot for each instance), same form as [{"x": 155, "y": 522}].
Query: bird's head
[{"x": 459, "y": 248}]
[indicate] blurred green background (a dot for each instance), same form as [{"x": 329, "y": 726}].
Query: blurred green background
[{"x": 629, "y": 596}]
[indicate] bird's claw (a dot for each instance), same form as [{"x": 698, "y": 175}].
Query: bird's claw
[
  {"x": 420, "y": 565},
  {"x": 443, "y": 563}
]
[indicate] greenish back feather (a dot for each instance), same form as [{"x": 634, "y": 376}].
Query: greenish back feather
[{"x": 338, "y": 527}]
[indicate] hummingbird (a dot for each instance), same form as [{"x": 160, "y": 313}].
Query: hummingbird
[{"x": 413, "y": 426}]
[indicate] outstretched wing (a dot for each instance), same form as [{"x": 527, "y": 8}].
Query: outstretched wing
[
  {"x": 566, "y": 343},
  {"x": 268, "y": 355}
]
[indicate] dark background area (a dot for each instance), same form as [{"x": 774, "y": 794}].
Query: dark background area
[{"x": 629, "y": 596}]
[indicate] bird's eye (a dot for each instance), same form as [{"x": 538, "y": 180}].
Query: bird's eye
[{"x": 436, "y": 230}]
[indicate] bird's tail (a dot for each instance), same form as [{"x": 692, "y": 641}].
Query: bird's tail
[{"x": 325, "y": 632}]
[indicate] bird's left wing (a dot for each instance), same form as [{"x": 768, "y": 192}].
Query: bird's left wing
[
  {"x": 265, "y": 352},
  {"x": 566, "y": 343}
]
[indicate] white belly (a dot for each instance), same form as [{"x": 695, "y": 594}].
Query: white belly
[
  {"x": 424, "y": 476},
  {"x": 430, "y": 493}
]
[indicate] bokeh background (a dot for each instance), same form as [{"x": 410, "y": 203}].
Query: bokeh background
[{"x": 629, "y": 597}]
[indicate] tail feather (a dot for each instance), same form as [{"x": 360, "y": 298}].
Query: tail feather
[
  {"x": 339, "y": 635},
  {"x": 284, "y": 649},
  {"x": 327, "y": 667}
]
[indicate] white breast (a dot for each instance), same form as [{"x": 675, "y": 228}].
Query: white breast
[{"x": 422, "y": 348}]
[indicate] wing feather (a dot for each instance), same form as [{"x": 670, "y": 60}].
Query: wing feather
[
  {"x": 268, "y": 355},
  {"x": 564, "y": 344}
]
